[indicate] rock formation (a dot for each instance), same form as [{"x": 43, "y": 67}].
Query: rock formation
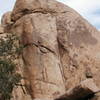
[
  {"x": 1, "y": 29},
  {"x": 61, "y": 49}
]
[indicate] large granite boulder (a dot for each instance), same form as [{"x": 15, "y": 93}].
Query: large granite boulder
[
  {"x": 61, "y": 48},
  {"x": 38, "y": 6}
]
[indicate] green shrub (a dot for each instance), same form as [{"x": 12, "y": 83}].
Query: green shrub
[{"x": 9, "y": 78}]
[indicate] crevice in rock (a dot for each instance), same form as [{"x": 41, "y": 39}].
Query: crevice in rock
[
  {"x": 40, "y": 45},
  {"x": 61, "y": 64},
  {"x": 40, "y": 10},
  {"x": 47, "y": 49}
]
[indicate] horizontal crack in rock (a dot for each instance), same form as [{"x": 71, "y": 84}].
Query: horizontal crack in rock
[
  {"x": 38, "y": 45},
  {"x": 42, "y": 11}
]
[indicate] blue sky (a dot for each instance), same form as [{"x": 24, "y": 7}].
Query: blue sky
[{"x": 89, "y": 9}]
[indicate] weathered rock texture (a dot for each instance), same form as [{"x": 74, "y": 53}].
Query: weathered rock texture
[
  {"x": 1, "y": 29},
  {"x": 61, "y": 48}
]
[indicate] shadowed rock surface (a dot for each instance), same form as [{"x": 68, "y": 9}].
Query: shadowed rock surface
[
  {"x": 61, "y": 49},
  {"x": 80, "y": 92}
]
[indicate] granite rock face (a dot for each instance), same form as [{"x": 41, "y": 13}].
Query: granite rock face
[
  {"x": 1, "y": 29},
  {"x": 6, "y": 19},
  {"x": 6, "y": 22},
  {"x": 61, "y": 48}
]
